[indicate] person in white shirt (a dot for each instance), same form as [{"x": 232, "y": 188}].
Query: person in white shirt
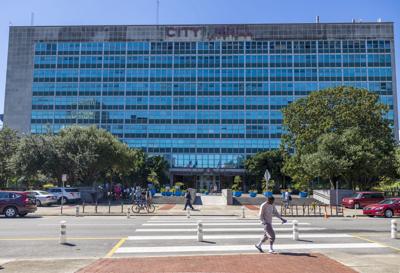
[{"x": 267, "y": 211}]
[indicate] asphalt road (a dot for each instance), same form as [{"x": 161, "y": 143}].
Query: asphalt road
[{"x": 91, "y": 237}]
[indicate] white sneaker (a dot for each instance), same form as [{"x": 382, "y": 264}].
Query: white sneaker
[{"x": 271, "y": 251}]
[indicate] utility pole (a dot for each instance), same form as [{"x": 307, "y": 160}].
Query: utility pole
[{"x": 158, "y": 13}]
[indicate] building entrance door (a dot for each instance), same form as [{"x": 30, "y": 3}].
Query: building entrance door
[{"x": 208, "y": 183}]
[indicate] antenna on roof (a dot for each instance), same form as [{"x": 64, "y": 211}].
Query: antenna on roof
[
  {"x": 158, "y": 12},
  {"x": 32, "y": 19}
]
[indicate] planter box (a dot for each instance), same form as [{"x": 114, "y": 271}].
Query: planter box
[
  {"x": 303, "y": 194},
  {"x": 268, "y": 193},
  {"x": 253, "y": 194},
  {"x": 237, "y": 193},
  {"x": 168, "y": 193}
]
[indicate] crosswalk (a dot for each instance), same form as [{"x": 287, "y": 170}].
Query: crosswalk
[{"x": 176, "y": 235}]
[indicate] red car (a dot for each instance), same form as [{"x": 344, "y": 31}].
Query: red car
[
  {"x": 362, "y": 199},
  {"x": 388, "y": 208},
  {"x": 13, "y": 203}
]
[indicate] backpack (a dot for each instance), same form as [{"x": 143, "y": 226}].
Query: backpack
[{"x": 290, "y": 198}]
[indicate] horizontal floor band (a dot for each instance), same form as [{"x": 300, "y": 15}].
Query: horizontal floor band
[{"x": 184, "y": 249}]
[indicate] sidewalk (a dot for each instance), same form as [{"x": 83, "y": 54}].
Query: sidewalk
[
  {"x": 177, "y": 210},
  {"x": 161, "y": 210},
  {"x": 249, "y": 263}
]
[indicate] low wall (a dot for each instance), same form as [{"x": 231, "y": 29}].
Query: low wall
[
  {"x": 329, "y": 196},
  {"x": 259, "y": 199}
]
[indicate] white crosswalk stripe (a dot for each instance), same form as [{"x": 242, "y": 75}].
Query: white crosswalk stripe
[
  {"x": 216, "y": 224},
  {"x": 235, "y": 236},
  {"x": 259, "y": 229},
  {"x": 178, "y": 236}
]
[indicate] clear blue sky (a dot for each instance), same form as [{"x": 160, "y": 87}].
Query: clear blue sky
[{"x": 77, "y": 12}]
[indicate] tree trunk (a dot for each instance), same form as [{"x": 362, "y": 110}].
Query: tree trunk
[{"x": 332, "y": 184}]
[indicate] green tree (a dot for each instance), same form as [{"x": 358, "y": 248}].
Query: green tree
[
  {"x": 90, "y": 153},
  {"x": 336, "y": 133},
  {"x": 237, "y": 183},
  {"x": 257, "y": 164},
  {"x": 29, "y": 158},
  {"x": 8, "y": 146},
  {"x": 159, "y": 166}
]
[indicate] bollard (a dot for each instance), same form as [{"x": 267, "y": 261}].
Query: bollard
[
  {"x": 243, "y": 213},
  {"x": 122, "y": 207},
  {"x": 76, "y": 211},
  {"x": 95, "y": 208},
  {"x": 63, "y": 232},
  {"x": 83, "y": 207},
  {"x": 393, "y": 229},
  {"x": 188, "y": 213},
  {"x": 199, "y": 231},
  {"x": 109, "y": 207},
  {"x": 128, "y": 213},
  {"x": 295, "y": 230}
]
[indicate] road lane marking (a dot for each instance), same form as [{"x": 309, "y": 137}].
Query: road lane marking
[
  {"x": 216, "y": 224},
  {"x": 115, "y": 248},
  {"x": 202, "y": 248},
  {"x": 375, "y": 242},
  {"x": 164, "y": 230},
  {"x": 236, "y": 236},
  {"x": 72, "y": 224},
  {"x": 58, "y": 238}
]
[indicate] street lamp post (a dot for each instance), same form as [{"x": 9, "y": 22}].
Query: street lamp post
[{"x": 63, "y": 179}]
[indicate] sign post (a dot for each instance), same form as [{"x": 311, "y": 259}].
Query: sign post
[
  {"x": 63, "y": 179},
  {"x": 267, "y": 177}
]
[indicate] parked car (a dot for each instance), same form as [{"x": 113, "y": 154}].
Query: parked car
[
  {"x": 43, "y": 198},
  {"x": 68, "y": 194},
  {"x": 13, "y": 203},
  {"x": 388, "y": 208},
  {"x": 362, "y": 199}
]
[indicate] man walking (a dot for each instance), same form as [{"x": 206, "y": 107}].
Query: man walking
[
  {"x": 188, "y": 197},
  {"x": 267, "y": 210}
]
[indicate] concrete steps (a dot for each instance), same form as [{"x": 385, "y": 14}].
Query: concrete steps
[{"x": 213, "y": 200}]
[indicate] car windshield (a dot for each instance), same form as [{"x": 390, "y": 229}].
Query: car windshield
[
  {"x": 71, "y": 190},
  {"x": 387, "y": 201},
  {"x": 44, "y": 193},
  {"x": 356, "y": 195}
]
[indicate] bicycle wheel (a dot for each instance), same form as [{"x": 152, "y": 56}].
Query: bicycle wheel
[
  {"x": 136, "y": 208},
  {"x": 150, "y": 208}
]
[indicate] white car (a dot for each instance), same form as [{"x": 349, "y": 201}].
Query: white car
[
  {"x": 43, "y": 198},
  {"x": 68, "y": 194}
]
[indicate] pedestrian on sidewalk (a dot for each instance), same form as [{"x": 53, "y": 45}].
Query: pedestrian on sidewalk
[
  {"x": 267, "y": 210},
  {"x": 188, "y": 197}
]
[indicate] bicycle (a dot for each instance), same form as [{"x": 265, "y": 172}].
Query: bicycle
[{"x": 142, "y": 205}]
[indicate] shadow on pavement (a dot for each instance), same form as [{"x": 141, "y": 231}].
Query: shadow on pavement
[
  {"x": 68, "y": 244},
  {"x": 209, "y": 242},
  {"x": 297, "y": 254},
  {"x": 307, "y": 241}
]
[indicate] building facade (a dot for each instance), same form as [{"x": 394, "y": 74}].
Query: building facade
[{"x": 204, "y": 96}]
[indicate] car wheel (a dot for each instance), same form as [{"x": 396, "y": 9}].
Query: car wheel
[
  {"x": 10, "y": 212},
  {"x": 388, "y": 213},
  {"x": 371, "y": 216},
  {"x": 65, "y": 200},
  {"x": 38, "y": 203},
  {"x": 357, "y": 206},
  {"x": 22, "y": 214}
]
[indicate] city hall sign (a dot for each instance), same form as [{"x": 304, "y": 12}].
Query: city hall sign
[{"x": 203, "y": 33}]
